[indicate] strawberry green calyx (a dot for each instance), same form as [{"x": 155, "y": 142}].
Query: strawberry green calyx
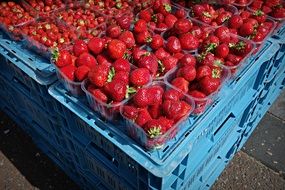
[
  {"x": 167, "y": 7},
  {"x": 216, "y": 73},
  {"x": 154, "y": 132},
  {"x": 55, "y": 54},
  {"x": 258, "y": 13},
  {"x": 111, "y": 74},
  {"x": 201, "y": 56},
  {"x": 130, "y": 90},
  {"x": 161, "y": 67},
  {"x": 207, "y": 14},
  {"x": 154, "y": 18},
  {"x": 119, "y": 5},
  {"x": 148, "y": 40},
  {"x": 238, "y": 46},
  {"x": 218, "y": 63},
  {"x": 210, "y": 47}
]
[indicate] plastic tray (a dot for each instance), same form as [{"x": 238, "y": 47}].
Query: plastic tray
[
  {"x": 12, "y": 30},
  {"x": 43, "y": 49}
]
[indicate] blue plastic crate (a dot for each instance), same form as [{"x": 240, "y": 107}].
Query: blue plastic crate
[
  {"x": 159, "y": 169},
  {"x": 34, "y": 73}
]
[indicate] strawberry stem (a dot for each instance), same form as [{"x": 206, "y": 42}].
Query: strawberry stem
[
  {"x": 111, "y": 74},
  {"x": 154, "y": 132},
  {"x": 130, "y": 90}
]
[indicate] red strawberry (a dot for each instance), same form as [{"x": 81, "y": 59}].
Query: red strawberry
[
  {"x": 223, "y": 33},
  {"x": 222, "y": 50},
  {"x": 233, "y": 59},
  {"x": 145, "y": 15},
  {"x": 143, "y": 117},
  {"x": 170, "y": 20},
  {"x": 116, "y": 89},
  {"x": 138, "y": 53},
  {"x": 188, "y": 41},
  {"x": 169, "y": 63},
  {"x": 116, "y": 49},
  {"x": 140, "y": 77},
  {"x": 86, "y": 59},
  {"x": 122, "y": 65},
  {"x": 62, "y": 58},
  {"x": 102, "y": 59},
  {"x": 154, "y": 110},
  {"x": 182, "y": 26},
  {"x": 246, "y": 29},
  {"x": 96, "y": 45},
  {"x": 121, "y": 76},
  {"x": 208, "y": 59},
  {"x": 156, "y": 42},
  {"x": 173, "y": 44},
  {"x": 149, "y": 62},
  {"x": 128, "y": 38},
  {"x": 235, "y": 21},
  {"x": 140, "y": 26},
  {"x": 130, "y": 112},
  {"x": 200, "y": 101},
  {"x": 156, "y": 93},
  {"x": 165, "y": 9},
  {"x": 188, "y": 59},
  {"x": 98, "y": 94},
  {"x": 113, "y": 31},
  {"x": 81, "y": 72},
  {"x": 181, "y": 84},
  {"x": 161, "y": 53},
  {"x": 203, "y": 71},
  {"x": 99, "y": 75},
  {"x": 142, "y": 98},
  {"x": 157, "y": 127},
  {"x": 79, "y": 47},
  {"x": 68, "y": 71},
  {"x": 209, "y": 84},
  {"x": 171, "y": 94},
  {"x": 188, "y": 72},
  {"x": 175, "y": 110}
]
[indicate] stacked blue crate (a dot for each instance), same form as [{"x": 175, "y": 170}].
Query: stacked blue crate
[{"x": 97, "y": 144}]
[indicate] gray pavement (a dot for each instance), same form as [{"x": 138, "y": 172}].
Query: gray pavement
[{"x": 260, "y": 164}]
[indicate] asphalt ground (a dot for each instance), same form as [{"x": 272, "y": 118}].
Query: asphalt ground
[{"x": 260, "y": 164}]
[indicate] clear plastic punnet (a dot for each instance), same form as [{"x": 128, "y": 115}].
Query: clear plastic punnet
[{"x": 154, "y": 133}]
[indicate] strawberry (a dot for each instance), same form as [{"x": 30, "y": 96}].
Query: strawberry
[
  {"x": 188, "y": 72},
  {"x": 116, "y": 49},
  {"x": 173, "y": 44},
  {"x": 113, "y": 31},
  {"x": 222, "y": 50},
  {"x": 68, "y": 71},
  {"x": 145, "y": 15},
  {"x": 62, "y": 58},
  {"x": 161, "y": 53},
  {"x": 200, "y": 101},
  {"x": 103, "y": 59},
  {"x": 138, "y": 53},
  {"x": 235, "y": 21},
  {"x": 169, "y": 63},
  {"x": 188, "y": 41},
  {"x": 140, "y": 77},
  {"x": 202, "y": 71},
  {"x": 235, "y": 59},
  {"x": 116, "y": 89},
  {"x": 208, "y": 59},
  {"x": 150, "y": 62},
  {"x": 98, "y": 94},
  {"x": 259, "y": 16},
  {"x": 122, "y": 76},
  {"x": 210, "y": 84},
  {"x": 223, "y": 33},
  {"x": 157, "y": 127},
  {"x": 165, "y": 9},
  {"x": 81, "y": 72},
  {"x": 142, "y": 98},
  {"x": 86, "y": 59},
  {"x": 181, "y": 84},
  {"x": 122, "y": 65},
  {"x": 188, "y": 59},
  {"x": 154, "y": 110},
  {"x": 156, "y": 42},
  {"x": 170, "y": 20},
  {"x": 175, "y": 110},
  {"x": 79, "y": 47},
  {"x": 171, "y": 94},
  {"x": 246, "y": 29},
  {"x": 156, "y": 93},
  {"x": 130, "y": 112},
  {"x": 96, "y": 45},
  {"x": 140, "y": 26},
  {"x": 128, "y": 38},
  {"x": 99, "y": 75},
  {"x": 182, "y": 26},
  {"x": 143, "y": 117}
]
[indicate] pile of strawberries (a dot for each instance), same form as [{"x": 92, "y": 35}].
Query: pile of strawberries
[
  {"x": 44, "y": 7},
  {"x": 275, "y": 8},
  {"x": 156, "y": 112},
  {"x": 48, "y": 33}
]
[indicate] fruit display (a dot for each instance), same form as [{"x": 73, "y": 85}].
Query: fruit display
[
  {"x": 201, "y": 80},
  {"x": 212, "y": 14},
  {"x": 255, "y": 26},
  {"x": 45, "y": 34},
  {"x": 13, "y": 15},
  {"x": 275, "y": 9},
  {"x": 155, "y": 113},
  {"x": 46, "y": 7},
  {"x": 147, "y": 64}
]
